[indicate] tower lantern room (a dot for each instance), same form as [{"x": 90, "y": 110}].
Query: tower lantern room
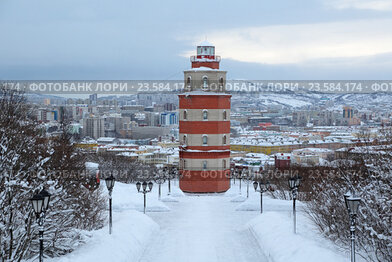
[{"x": 205, "y": 56}]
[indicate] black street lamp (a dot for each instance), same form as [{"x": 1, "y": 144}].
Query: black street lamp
[
  {"x": 263, "y": 187},
  {"x": 232, "y": 175},
  {"x": 40, "y": 203},
  {"x": 144, "y": 191},
  {"x": 45, "y": 194},
  {"x": 247, "y": 177},
  {"x": 159, "y": 179},
  {"x": 294, "y": 183},
  {"x": 352, "y": 204},
  {"x": 346, "y": 196},
  {"x": 170, "y": 174},
  {"x": 238, "y": 175},
  {"x": 110, "y": 184}
]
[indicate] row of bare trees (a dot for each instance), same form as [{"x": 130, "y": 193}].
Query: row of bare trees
[
  {"x": 367, "y": 171},
  {"x": 30, "y": 161}
]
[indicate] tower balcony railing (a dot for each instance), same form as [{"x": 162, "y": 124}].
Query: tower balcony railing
[{"x": 196, "y": 59}]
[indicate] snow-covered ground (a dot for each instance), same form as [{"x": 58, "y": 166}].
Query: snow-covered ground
[
  {"x": 203, "y": 228},
  {"x": 212, "y": 227},
  {"x": 132, "y": 230}
]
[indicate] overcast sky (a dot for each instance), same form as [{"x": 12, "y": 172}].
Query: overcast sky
[{"x": 261, "y": 39}]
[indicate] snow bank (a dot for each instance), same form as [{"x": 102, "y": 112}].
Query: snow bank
[
  {"x": 169, "y": 199},
  {"x": 274, "y": 233},
  {"x": 175, "y": 190},
  {"x": 125, "y": 196},
  {"x": 132, "y": 231},
  {"x": 234, "y": 190},
  {"x": 238, "y": 199},
  {"x": 269, "y": 204}
]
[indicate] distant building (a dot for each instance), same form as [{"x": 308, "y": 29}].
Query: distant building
[
  {"x": 347, "y": 112},
  {"x": 311, "y": 156},
  {"x": 107, "y": 140},
  {"x": 94, "y": 127},
  {"x": 168, "y": 118},
  {"x": 169, "y": 107},
  {"x": 93, "y": 99},
  {"x": 117, "y": 126},
  {"x": 349, "y": 118},
  {"x": 282, "y": 160},
  {"x": 316, "y": 117}
]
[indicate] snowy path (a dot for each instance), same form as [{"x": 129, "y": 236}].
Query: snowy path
[{"x": 203, "y": 228}]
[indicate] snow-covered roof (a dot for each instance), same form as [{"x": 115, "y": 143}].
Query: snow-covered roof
[
  {"x": 204, "y": 93},
  {"x": 129, "y": 154},
  {"x": 202, "y": 68},
  {"x": 91, "y": 165},
  {"x": 106, "y": 139},
  {"x": 315, "y": 149}
]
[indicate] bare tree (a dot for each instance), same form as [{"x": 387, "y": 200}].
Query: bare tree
[{"x": 30, "y": 161}]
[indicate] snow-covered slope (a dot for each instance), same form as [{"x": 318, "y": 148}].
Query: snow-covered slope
[{"x": 132, "y": 231}]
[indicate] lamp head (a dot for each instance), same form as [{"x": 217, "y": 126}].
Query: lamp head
[
  {"x": 45, "y": 194},
  {"x": 150, "y": 184},
  {"x": 144, "y": 186},
  {"x": 353, "y": 204},
  {"x": 110, "y": 182},
  {"x": 268, "y": 184},
  {"x": 346, "y": 196},
  {"x": 298, "y": 181},
  {"x": 37, "y": 202},
  {"x": 292, "y": 183}
]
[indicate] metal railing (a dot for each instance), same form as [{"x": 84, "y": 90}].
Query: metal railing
[{"x": 216, "y": 59}]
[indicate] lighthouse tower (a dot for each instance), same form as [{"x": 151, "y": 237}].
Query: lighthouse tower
[{"x": 204, "y": 125}]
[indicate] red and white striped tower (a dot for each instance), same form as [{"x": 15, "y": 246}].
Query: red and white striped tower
[{"x": 205, "y": 125}]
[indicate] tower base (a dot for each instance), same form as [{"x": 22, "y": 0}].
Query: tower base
[{"x": 205, "y": 181}]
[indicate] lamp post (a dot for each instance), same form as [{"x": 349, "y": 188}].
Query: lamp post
[
  {"x": 247, "y": 177},
  {"x": 263, "y": 187},
  {"x": 238, "y": 174},
  {"x": 294, "y": 183},
  {"x": 40, "y": 203},
  {"x": 170, "y": 174},
  {"x": 352, "y": 204},
  {"x": 144, "y": 191},
  {"x": 159, "y": 179},
  {"x": 233, "y": 174},
  {"x": 110, "y": 184}
]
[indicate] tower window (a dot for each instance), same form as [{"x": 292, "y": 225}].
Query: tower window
[
  {"x": 224, "y": 139},
  {"x": 224, "y": 163},
  {"x": 205, "y": 114},
  {"x": 205, "y": 165},
  {"x": 205, "y": 82},
  {"x": 224, "y": 115},
  {"x": 188, "y": 81},
  {"x": 205, "y": 140},
  {"x": 185, "y": 114},
  {"x": 185, "y": 139},
  {"x": 221, "y": 84}
]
